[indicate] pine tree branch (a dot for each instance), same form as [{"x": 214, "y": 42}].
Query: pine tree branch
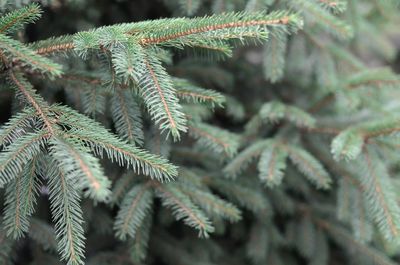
[
  {"x": 55, "y": 48},
  {"x": 16, "y": 19},
  {"x": 161, "y": 95},
  {"x": 309, "y": 166},
  {"x": 22, "y": 86},
  {"x": 81, "y": 167},
  {"x": 127, "y": 155},
  {"x": 14, "y": 51},
  {"x": 19, "y": 154},
  {"x": 67, "y": 214},
  {"x": 134, "y": 208},
  {"x": 17, "y": 126},
  {"x": 394, "y": 230},
  {"x": 240, "y": 24},
  {"x": 183, "y": 208}
]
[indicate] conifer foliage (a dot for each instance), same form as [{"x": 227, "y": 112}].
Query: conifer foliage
[{"x": 232, "y": 132}]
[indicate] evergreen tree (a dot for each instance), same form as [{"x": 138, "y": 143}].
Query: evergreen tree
[{"x": 230, "y": 132}]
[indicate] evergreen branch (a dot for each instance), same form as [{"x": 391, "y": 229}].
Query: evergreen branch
[
  {"x": 240, "y": 194},
  {"x": 67, "y": 215},
  {"x": 82, "y": 169},
  {"x": 15, "y": 156},
  {"x": 15, "y": 20},
  {"x": 196, "y": 32},
  {"x": 274, "y": 55},
  {"x": 381, "y": 78},
  {"x": 360, "y": 219},
  {"x": 211, "y": 49},
  {"x": 126, "y": 115},
  {"x": 85, "y": 79},
  {"x": 155, "y": 86},
  {"x": 214, "y": 206},
  {"x": 272, "y": 164},
  {"x": 336, "y": 6},
  {"x": 158, "y": 93},
  {"x": 55, "y": 48},
  {"x": 244, "y": 158},
  {"x": 228, "y": 22},
  {"x": 183, "y": 208},
  {"x": 33, "y": 99},
  {"x": 93, "y": 101},
  {"x": 128, "y": 61},
  {"x": 325, "y": 19},
  {"x": 134, "y": 208},
  {"x": 100, "y": 140},
  {"x": 190, "y": 93},
  {"x": 217, "y": 140},
  {"x": 345, "y": 55},
  {"x": 274, "y": 111},
  {"x": 17, "y": 126},
  {"x": 53, "y": 45},
  {"x": 139, "y": 246},
  {"x": 345, "y": 188},
  {"x": 349, "y": 143},
  {"x": 309, "y": 166},
  {"x": 381, "y": 197},
  {"x": 20, "y": 201},
  {"x": 15, "y": 51},
  {"x": 126, "y": 155}
]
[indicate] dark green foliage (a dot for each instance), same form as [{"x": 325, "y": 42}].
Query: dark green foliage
[{"x": 199, "y": 132}]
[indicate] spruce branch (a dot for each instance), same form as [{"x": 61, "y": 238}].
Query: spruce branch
[
  {"x": 139, "y": 246},
  {"x": 14, "y": 51},
  {"x": 83, "y": 170},
  {"x": 54, "y": 48},
  {"x": 126, "y": 116},
  {"x": 325, "y": 19},
  {"x": 21, "y": 196},
  {"x": 272, "y": 164},
  {"x": 275, "y": 111},
  {"x": 190, "y": 93},
  {"x": 214, "y": 206},
  {"x": 17, "y": 126},
  {"x": 217, "y": 140},
  {"x": 349, "y": 143},
  {"x": 382, "y": 202},
  {"x": 33, "y": 99},
  {"x": 15, "y": 20},
  {"x": 157, "y": 90},
  {"x": 101, "y": 142},
  {"x": 225, "y": 24},
  {"x": 67, "y": 215},
  {"x": 15, "y": 156},
  {"x": 240, "y": 194},
  {"x": 136, "y": 205},
  {"x": 183, "y": 208},
  {"x": 244, "y": 158},
  {"x": 309, "y": 166}
]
